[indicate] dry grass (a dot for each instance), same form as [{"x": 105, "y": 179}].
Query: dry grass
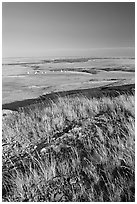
[{"x": 78, "y": 149}]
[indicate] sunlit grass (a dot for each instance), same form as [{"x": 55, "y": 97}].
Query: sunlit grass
[{"x": 78, "y": 149}]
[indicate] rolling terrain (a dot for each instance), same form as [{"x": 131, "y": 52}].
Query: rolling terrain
[
  {"x": 29, "y": 78},
  {"x": 68, "y": 130}
]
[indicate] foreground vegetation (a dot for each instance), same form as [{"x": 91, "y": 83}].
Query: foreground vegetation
[{"x": 78, "y": 149}]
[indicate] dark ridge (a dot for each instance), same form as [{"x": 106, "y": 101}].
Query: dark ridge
[
  {"x": 118, "y": 69},
  {"x": 111, "y": 91},
  {"x": 71, "y": 60}
]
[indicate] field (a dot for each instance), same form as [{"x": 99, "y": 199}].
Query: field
[
  {"x": 68, "y": 130},
  {"x": 28, "y": 78}
]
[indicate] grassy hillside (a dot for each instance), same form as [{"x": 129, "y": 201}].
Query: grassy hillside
[
  {"x": 78, "y": 149},
  {"x": 112, "y": 90}
]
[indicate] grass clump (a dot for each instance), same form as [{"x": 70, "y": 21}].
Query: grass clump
[{"x": 78, "y": 149}]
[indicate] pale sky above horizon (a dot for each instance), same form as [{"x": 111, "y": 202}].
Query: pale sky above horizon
[{"x": 68, "y": 29}]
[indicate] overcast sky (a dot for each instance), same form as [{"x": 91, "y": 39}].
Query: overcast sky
[{"x": 68, "y": 29}]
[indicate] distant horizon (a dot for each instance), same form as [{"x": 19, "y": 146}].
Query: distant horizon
[
  {"x": 10, "y": 60},
  {"x": 122, "y": 55},
  {"x": 96, "y": 52},
  {"x": 48, "y": 57}
]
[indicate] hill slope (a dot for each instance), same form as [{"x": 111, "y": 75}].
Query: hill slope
[{"x": 77, "y": 149}]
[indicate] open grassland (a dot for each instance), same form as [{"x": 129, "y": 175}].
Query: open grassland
[
  {"x": 77, "y": 149},
  {"x": 29, "y": 78}
]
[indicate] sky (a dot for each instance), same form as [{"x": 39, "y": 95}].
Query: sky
[{"x": 99, "y": 29}]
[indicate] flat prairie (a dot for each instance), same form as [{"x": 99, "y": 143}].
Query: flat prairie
[{"x": 27, "y": 78}]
